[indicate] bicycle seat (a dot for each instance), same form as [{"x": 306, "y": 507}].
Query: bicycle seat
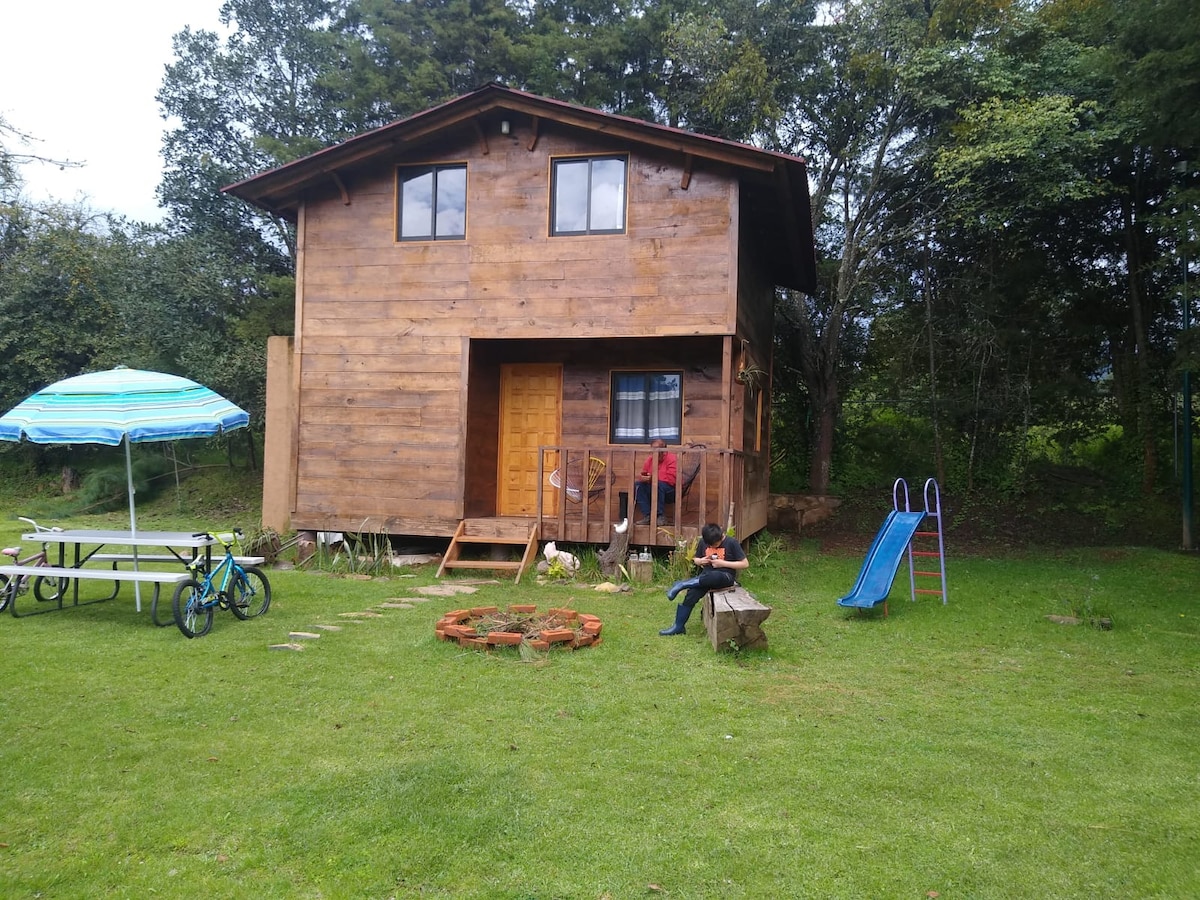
[{"x": 10, "y": 551}]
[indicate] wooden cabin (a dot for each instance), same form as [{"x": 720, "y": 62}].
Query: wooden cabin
[{"x": 502, "y": 300}]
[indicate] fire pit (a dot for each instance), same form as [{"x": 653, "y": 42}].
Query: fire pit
[{"x": 484, "y": 627}]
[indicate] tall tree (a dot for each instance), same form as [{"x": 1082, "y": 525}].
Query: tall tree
[
  {"x": 861, "y": 132},
  {"x": 606, "y": 54},
  {"x": 250, "y": 101},
  {"x": 404, "y": 57},
  {"x": 744, "y": 71},
  {"x": 57, "y": 282},
  {"x": 1060, "y": 158}
]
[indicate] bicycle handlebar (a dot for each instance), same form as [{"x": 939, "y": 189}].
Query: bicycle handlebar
[
  {"x": 234, "y": 534},
  {"x": 36, "y": 527}
]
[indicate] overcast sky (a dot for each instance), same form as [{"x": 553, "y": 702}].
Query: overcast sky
[{"x": 80, "y": 76}]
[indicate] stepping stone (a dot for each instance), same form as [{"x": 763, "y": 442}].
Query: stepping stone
[
  {"x": 414, "y": 559},
  {"x": 302, "y": 635},
  {"x": 396, "y": 605},
  {"x": 368, "y": 614},
  {"x": 329, "y": 627},
  {"x": 286, "y": 647},
  {"x": 446, "y": 590}
]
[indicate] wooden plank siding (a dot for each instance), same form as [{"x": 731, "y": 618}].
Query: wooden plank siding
[
  {"x": 750, "y": 410},
  {"x": 399, "y": 344}
]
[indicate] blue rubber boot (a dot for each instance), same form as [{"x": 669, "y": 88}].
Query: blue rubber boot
[
  {"x": 682, "y": 612},
  {"x": 682, "y": 586}
]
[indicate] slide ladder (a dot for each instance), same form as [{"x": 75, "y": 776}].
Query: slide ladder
[
  {"x": 900, "y": 530},
  {"x": 925, "y": 538}
]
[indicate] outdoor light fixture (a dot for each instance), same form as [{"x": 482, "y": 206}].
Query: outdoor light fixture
[{"x": 505, "y": 127}]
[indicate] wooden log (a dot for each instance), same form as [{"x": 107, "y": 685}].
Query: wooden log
[
  {"x": 733, "y": 619},
  {"x": 614, "y": 556},
  {"x": 641, "y": 571}
]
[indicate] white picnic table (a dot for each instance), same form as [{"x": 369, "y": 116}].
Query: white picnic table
[{"x": 86, "y": 544}]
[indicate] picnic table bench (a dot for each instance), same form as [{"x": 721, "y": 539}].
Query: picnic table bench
[
  {"x": 86, "y": 545},
  {"x": 116, "y": 558},
  {"x": 113, "y": 574},
  {"x": 157, "y": 579}
]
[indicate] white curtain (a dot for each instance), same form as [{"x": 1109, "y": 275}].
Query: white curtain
[
  {"x": 666, "y": 408},
  {"x": 647, "y": 406}
]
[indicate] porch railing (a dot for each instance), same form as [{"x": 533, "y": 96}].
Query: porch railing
[{"x": 581, "y": 515}]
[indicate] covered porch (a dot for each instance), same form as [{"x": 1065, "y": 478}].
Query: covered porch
[{"x": 584, "y": 491}]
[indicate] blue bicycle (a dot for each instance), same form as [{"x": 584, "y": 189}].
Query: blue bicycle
[{"x": 243, "y": 590}]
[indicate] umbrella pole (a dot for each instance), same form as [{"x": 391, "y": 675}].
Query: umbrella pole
[{"x": 137, "y": 585}]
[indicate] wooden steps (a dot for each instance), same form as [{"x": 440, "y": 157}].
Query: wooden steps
[{"x": 496, "y": 532}]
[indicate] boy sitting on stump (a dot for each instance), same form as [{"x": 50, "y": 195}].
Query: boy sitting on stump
[{"x": 718, "y": 558}]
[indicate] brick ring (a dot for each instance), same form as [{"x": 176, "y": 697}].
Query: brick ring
[{"x": 484, "y": 627}]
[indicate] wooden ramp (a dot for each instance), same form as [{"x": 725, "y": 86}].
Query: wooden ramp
[{"x": 497, "y": 532}]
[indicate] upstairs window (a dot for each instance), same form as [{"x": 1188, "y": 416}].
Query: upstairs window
[
  {"x": 645, "y": 406},
  {"x": 588, "y": 195},
  {"x": 432, "y": 203}
]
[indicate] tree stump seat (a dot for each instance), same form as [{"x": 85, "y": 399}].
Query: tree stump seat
[{"x": 733, "y": 619}]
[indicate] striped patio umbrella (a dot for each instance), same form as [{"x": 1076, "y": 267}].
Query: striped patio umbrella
[{"x": 121, "y": 406}]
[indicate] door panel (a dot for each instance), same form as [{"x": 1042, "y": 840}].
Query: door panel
[{"x": 530, "y": 411}]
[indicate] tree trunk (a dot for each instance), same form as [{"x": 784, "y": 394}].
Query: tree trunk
[
  {"x": 250, "y": 448},
  {"x": 934, "y": 405},
  {"x": 1142, "y": 391},
  {"x": 821, "y": 466},
  {"x": 613, "y": 557}
]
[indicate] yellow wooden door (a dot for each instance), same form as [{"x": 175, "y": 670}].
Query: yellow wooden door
[{"x": 530, "y": 413}]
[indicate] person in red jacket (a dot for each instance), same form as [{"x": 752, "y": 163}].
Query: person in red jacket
[{"x": 668, "y": 464}]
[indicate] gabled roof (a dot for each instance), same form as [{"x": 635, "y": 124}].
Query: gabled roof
[{"x": 775, "y": 185}]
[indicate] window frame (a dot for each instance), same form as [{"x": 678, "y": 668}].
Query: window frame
[
  {"x": 645, "y": 437},
  {"x": 591, "y": 160},
  {"x": 409, "y": 172}
]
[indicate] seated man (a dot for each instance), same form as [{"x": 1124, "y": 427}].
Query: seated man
[{"x": 668, "y": 463}]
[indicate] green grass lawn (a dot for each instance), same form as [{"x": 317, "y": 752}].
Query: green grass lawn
[{"x": 973, "y": 750}]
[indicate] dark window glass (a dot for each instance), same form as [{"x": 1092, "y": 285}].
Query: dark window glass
[
  {"x": 433, "y": 203},
  {"x": 588, "y": 196}
]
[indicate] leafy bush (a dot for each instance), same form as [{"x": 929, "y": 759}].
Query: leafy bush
[
  {"x": 106, "y": 489},
  {"x": 879, "y": 444}
]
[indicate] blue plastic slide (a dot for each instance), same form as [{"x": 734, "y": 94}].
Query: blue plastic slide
[{"x": 883, "y": 559}]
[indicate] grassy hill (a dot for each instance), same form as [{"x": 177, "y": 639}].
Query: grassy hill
[{"x": 196, "y": 493}]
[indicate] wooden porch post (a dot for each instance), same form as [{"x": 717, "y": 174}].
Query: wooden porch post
[{"x": 279, "y": 445}]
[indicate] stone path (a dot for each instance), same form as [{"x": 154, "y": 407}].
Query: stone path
[{"x": 299, "y": 640}]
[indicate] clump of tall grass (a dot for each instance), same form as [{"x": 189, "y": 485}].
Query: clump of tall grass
[{"x": 362, "y": 553}]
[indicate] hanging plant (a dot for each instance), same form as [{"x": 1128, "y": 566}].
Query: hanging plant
[{"x": 751, "y": 376}]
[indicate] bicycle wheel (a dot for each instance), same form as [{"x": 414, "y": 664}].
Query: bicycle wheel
[
  {"x": 250, "y": 593},
  {"x": 3, "y": 593},
  {"x": 50, "y": 588},
  {"x": 20, "y": 584},
  {"x": 192, "y": 615}
]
